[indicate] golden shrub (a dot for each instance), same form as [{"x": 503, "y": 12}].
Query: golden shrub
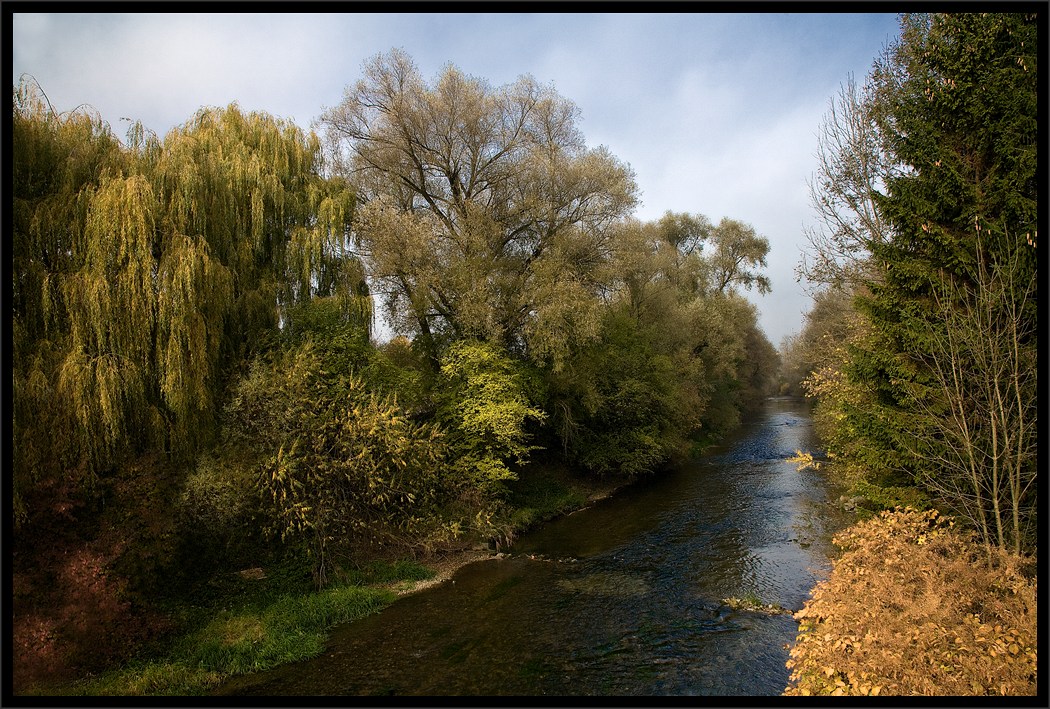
[{"x": 915, "y": 607}]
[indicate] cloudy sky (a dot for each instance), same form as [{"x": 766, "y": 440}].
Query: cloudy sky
[{"x": 716, "y": 113}]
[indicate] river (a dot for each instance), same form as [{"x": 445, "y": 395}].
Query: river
[{"x": 623, "y": 598}]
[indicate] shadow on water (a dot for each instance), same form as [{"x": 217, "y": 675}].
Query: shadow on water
[{"x": 623, "y": 598}]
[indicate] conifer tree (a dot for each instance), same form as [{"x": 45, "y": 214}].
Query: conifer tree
[{"x": 958, "y": 111}]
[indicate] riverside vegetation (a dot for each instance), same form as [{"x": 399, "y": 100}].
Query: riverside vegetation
[
  {"x": 197, "y": 392},
  {"x": 921, "y": 352}
]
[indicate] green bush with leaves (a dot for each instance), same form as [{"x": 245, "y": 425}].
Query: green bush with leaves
[
  {"x": 617, "y": 403},
  {"x": 337, "y": 463},
  {"x": 486, "y": 405}
]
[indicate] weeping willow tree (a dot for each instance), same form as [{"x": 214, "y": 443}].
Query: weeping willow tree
[
  {"x": 57, "y": 164},
  {"x": 143, "y": 273},
  {"x": 249, "y": 228}
]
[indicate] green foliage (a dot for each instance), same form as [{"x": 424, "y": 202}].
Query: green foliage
[
  {"x": 484, "y": 205},
  {"x": 214, "y": 512},
  {"x": 337, "y": 463},
  {"x": 539, "y": 496},
  {"x": 737, "y": 247},
  {"x": 338, "y": 336},
  {"x": 485, "y": 405},
  {"x": 615, "y": 418},
  {"x": 959, "y": 99},
  {"x": 192, "y": 332},
  {"x": 689, "y": 357},
  {"x": 58, "y": 161},
  {"x": 928, "y": 377},
  {"x": 398, "y": 368},
  {"x": 878, "y": 498},
  {"x": 143, "y": 273}
]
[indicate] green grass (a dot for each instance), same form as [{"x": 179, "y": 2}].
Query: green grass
[
  {"x": 378, "y": 572},
  {"x": 268, "y": 627}
]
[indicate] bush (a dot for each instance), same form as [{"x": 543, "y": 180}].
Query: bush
[
  {"x": 878, "y": 498},
  {"x": 485, "y": 405},
  {"x": 337, "y": 463},
  {"x": 915, "y": 607}
]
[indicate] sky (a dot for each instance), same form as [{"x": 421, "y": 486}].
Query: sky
[{"x": 717, "y": 114}]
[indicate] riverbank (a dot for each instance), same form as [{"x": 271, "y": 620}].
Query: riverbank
[
  {"x": 258, "y": 620},
  {"x": 560, "y": 495}
]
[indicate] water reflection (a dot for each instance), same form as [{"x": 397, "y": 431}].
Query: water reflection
[{"x": 622, "y": 599}]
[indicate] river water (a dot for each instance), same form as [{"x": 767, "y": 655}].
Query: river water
[{"x": 623, "y": 598}]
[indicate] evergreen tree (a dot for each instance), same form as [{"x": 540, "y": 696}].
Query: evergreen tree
[{"x": 957, "y": 97}]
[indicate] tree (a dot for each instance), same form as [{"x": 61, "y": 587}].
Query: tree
[
  {"x": 736, "y": 247},
  {"x": 336, "y": 463},
  {"x": 958, "y": 97},
  {"x": 980, "y": 409},
  {"x": 688, "y": 353},
  {"x": 832, "y": 331},
  {"x": 622, "y": 419},
  {"x": 144, "y": 273},
  {"x": 58, "y": 161},
  {"x": 481, "y": 202},
  {"x": 852, "y": 165}
]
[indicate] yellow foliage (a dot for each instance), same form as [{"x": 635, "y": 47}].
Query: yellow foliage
[
  {"x": 804, "y": 461},
  {"x": 915, "y": 607}
]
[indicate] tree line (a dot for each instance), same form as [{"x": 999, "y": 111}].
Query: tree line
[
  {"x": 205, "y": 300},
  {"x": 921, "y": 346}
]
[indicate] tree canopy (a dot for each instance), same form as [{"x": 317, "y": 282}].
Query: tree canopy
[
  {"x": 481, "y": 204},
  {"x": 205, "y": 298}
]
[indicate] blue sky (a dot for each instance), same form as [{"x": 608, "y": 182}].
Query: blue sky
[{"x": 716, "y": 113}]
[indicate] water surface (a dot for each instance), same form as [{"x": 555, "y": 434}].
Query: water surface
[{"x": 624, "y": 598}]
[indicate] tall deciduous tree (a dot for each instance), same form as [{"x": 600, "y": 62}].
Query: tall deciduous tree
[
  {"x": 483, "y": 203},
  {"x": 853, "y": 163},
  {"x": 737, "y": 249},
  {"x": 57, "y": 164}
]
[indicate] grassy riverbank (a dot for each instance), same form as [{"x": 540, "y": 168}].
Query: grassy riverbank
[{"x": 257, "y": 618}]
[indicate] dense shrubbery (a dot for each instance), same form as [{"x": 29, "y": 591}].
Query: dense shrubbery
[
  {"x": 914, "y": 606},
  {"x": 486, "y": 403}
]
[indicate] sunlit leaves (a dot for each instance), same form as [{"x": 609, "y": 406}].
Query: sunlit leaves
[
  {"x": 915, "y": 607},
  {"x": 486, "y": 408}
]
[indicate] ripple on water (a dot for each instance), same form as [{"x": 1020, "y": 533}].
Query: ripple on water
[
  {"x": 637, "y": 611},
  {"x": 605, "y": 583}
]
